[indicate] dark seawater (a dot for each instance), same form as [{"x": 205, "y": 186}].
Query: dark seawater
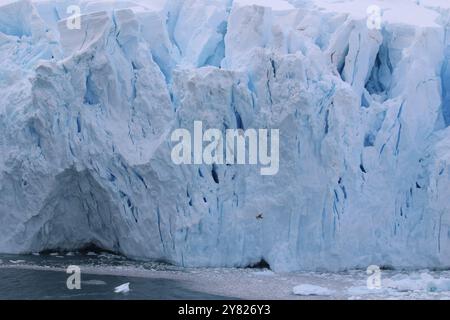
[{"x": 18, "y": 280}]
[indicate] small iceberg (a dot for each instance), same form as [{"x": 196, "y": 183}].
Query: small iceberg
[{"x": 124, "y": 288}]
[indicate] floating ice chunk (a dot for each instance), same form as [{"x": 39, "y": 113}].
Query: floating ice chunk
[
  {"x": 274, "y": 4},
  {"x": 94, "y": 282},
  {"x": 17, "y": 261},
  {"x": 438, "y": 285},
  {"x": 425, "y": 282},
  {"x": 404, "y": 283},
  {"x": 124, "y": 288},
  {"x": 311, "y": 290}
]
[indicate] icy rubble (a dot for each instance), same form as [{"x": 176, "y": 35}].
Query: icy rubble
[{"x": 86, "y": 117}]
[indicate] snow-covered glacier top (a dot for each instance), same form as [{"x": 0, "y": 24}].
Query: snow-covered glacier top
[
  {"x": 363, "y": 112},
  {"x": 419, "y": 13}
]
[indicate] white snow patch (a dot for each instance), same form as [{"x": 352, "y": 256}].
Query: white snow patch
[{"x": 423, "y": 282}]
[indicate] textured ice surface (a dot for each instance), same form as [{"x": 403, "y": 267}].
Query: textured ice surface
[{"x": 86, "y": 117}]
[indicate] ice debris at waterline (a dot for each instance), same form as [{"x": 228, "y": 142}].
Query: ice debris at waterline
[
  {"x": 311, "y": 290},
  {"x": 363, "y": 114}
]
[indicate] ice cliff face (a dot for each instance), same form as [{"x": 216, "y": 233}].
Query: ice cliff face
[{"x": 86, "y": 117}]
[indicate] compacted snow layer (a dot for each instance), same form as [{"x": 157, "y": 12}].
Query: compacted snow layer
[{"x": 86, "y": 117}]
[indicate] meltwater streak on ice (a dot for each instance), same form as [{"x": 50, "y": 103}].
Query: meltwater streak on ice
[{"x": 86, "y": 116}]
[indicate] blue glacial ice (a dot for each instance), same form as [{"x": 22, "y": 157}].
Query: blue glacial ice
[{"x": 364, "y": 114}]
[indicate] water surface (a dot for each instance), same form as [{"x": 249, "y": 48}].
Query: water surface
[{"x": 21, "y": 278}]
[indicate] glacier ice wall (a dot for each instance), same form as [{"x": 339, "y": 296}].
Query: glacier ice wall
[{"x": 86, "y": 117}]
